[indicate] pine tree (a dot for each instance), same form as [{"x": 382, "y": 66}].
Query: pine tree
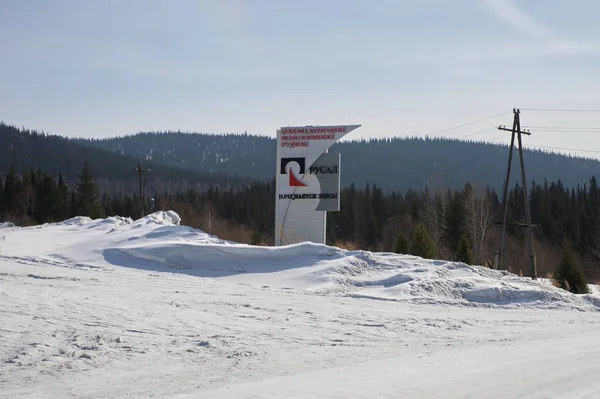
[
  {"x": 65, "y": 209},
  {"x": 73, "y": 204},
  {"x": 464, "y": 253},
  {"x": 87, "y": 196},
  {"x": 568, "y": 274},
  {"x": 11, "y": 190},
  {"x": 422, "y": 244},
  {"x": 48, "y": 199},
  {"x": 401, "y": 244},
  {"x": 455, "y": 220}
]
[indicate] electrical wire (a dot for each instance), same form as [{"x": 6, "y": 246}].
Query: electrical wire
[
  {"x": 562, "y": 127},
  {"x": 478, "y": 132},
  {"x": 557, "y": 129},
  {"x": 561, "y": 148},
  {"x": 494, "y": 138},
  {"x": 504, "y": 136},
  {"x": 468, "y": 124},
  {"x": 566, "y": 131},
  {"x": 559, "y": 110},
  {"x": 468, "y": 161},
  {"x": 465, "y": 136}
]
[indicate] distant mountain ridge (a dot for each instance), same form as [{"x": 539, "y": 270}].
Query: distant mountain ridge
[
  {"x": 28, "y": 149},
  {"x": 231, "y": 154},
  {"x": 391, "y": 163}
]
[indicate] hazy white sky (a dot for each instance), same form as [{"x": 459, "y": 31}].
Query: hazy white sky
[{"x": 114, "y": 67}]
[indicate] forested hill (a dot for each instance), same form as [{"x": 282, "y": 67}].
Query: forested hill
[
  {"x": 393, "y": 164},
  {"x": 24, "y": 150},
  {"x": 232, "y": 154}
]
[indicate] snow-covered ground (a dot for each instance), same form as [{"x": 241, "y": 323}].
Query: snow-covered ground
[{"x": 115, "y": 308}]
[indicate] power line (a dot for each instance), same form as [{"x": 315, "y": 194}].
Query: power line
[
  {"x": 499, "y": 137},
  {"x": 467, "y": 124},
  {"x": 567, "y": 131},
  {"x": 463, "y": 162},
  {"x": 561, "y": 148},
  {"x": 478, "y": 132},
  {"x": 559, "y": 110},
  {"x": 563, "y": 127},
  {"x": 465, "y": 136},
  {"x": 492, "y": 139}
]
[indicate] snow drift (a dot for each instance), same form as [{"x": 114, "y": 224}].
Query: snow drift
[{"x": 157, "y": 242}]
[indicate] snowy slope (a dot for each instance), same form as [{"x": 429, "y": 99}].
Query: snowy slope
[
  {"x": 157, "y": 243},
  {"x": 115, "y": 308}
]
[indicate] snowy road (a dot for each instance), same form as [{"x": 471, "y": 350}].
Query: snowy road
[
  {"x": 526, "y": 369},
  {"x": 84, "y": 319}
]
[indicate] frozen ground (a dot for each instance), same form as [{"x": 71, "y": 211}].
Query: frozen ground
[{"x": 114, "y": 308}]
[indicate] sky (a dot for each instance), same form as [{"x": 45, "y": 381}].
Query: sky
[{"x": 116, "y": 67}]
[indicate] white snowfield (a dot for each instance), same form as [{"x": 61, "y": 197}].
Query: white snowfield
[{"x": 116, "y": 308}]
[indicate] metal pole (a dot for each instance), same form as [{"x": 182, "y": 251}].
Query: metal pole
[{"x": 533, "y": 265}]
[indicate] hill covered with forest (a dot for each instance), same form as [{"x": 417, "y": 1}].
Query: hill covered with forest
[
  {"x": 184, "y": 160},
  {"x": 392, "y": 163},
  {"x": 24, "y": 150}
]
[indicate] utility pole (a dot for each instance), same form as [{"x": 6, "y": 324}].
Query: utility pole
[
  {"x": 516, "y": 131},
  {"x": 140, "y": 170},
  {"x": 505, "y": 194}
]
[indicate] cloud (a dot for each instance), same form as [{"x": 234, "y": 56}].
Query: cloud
[
  {"x": 507, "y": 11},
  {"x": 547, "y": 41}
]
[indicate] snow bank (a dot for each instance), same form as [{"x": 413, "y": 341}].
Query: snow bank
[
  {"x": 406, "y": 278},
  {"x": 161, "y": 218},
  {"x": 157, "y": 242},
  {"x": 75, "y": 221}
]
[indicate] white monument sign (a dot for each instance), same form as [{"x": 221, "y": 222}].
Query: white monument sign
[{"x": 307, "y": 183}]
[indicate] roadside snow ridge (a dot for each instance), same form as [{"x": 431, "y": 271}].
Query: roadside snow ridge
[{"x": 158, "y": 243}]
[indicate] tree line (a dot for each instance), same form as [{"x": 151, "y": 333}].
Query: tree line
[
  {"x": 397, "y": 163},
  {"x": 456, "y": 225}
]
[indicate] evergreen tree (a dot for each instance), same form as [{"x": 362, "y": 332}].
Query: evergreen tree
[
  {"x": 464, "y": 253},
  {"x": 378, "y": 207},
  {"x": 11, "y": 190},
  {"x": 455, "y": 220},
  {"x": 568, "y": 274},
  {"x": 401, "y": 244},
  {"x": 422, "y": 244},
  {"x": 49, "y": 200},
  {"x": 107, "y": 205},
  {"x": 65, "y": 210},
  {"x": 73, "y": 204},
  {"x": 87, "y": 196}
]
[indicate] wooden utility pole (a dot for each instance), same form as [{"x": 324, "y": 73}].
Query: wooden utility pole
[
  {"x": 516, "y": 131},
  {"x": 505, "y": 193},
  {"x": 140, "y": 170}
]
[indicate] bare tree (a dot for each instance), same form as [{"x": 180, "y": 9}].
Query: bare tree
[
  {"x": 478, "y": 220},
  {"x": 485, "y": 220},
  {"x": 209, "y": 217},
  {"x": 435, "y": 208}
]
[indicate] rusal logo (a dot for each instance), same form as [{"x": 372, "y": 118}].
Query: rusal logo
[{"x": 294, "y": 181}]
